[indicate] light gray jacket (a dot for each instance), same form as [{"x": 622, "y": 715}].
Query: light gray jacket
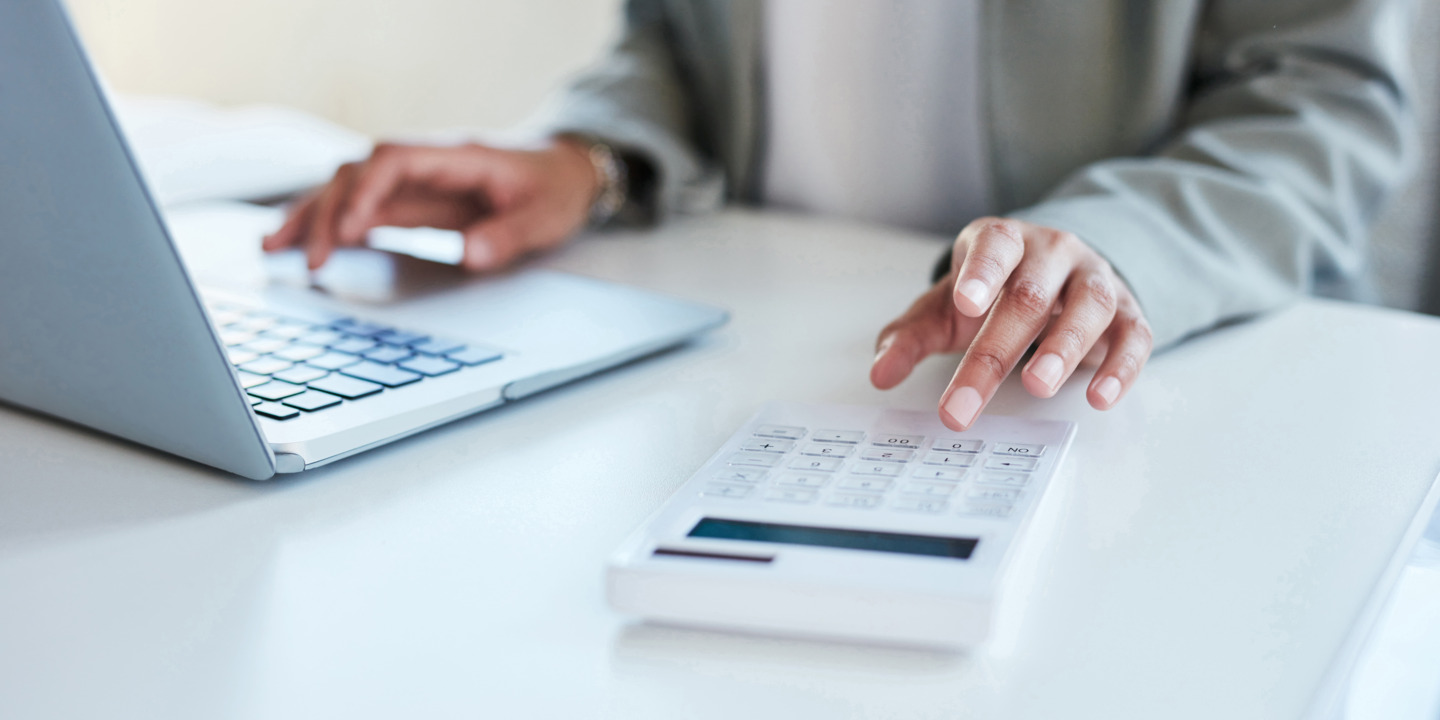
[{"x": 1223, "y": 155}]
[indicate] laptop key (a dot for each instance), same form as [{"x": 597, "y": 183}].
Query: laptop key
[
  {"x": 332, "y": 361},
  {"x": 438, "y": 346},
  {"x": 432, "y": 366},
  {"x": 266, "y": 366},
  {"x": 387, "y": 354},
  {"x": 353, "y": 345},
  {"x": 289, "y": 330},
  {"x": 312, "y": 400},
  {"x": 346, "y": 387},
  {"x": 276, "y": 390},
  {"x": 299, "y": 352},
  {"x": 301, "y": 374},
  {"x": 475, "y": 355},
  {"x": 276, "y": 411},
  {"x": 322, "y": 337},
  {"x": 383, "y": 374},
  {"x": 249, "y": 380},
  {"x": 401, "y": 337},
  {"x": 234, "y": 336},
  {"x": 359, "y": 327},
  {"x": 265, "y": 345},
  {"x": 240, "y": 357}
]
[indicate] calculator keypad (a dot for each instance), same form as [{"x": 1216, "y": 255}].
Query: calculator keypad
[{"x": 853, "y": 469}]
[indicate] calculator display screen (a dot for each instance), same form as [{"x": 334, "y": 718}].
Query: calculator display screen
[{"x": 951, "y": 547}]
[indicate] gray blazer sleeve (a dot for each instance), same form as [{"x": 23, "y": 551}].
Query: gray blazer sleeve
[
  {"x": 1297, "y": 130},
  {"x": 635, "y": 100}
]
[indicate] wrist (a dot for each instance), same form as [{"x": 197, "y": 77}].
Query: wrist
[{"x": 609, "y": 186}]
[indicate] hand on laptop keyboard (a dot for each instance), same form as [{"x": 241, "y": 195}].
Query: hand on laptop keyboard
[
  {"x": 290, "y": 366},
  {"x": 506, "y": 203}
]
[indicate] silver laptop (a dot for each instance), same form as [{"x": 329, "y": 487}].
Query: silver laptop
[{"x": 100, "y": 324}]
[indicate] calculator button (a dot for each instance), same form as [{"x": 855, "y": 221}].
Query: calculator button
[
  {"x": 726, "y": 490},
  {"x": 873, "y": 484},
  {"x": 821, "y": 464},
  {"x": 809, "y": 480},
  {"x": 1021, "y": 449},
  {"x": 826, "y": 450},
  {"x": 791, "y": 495},
  {"x": 768, "y": 445},
  {"x": 886, "y": 455},
  {"x": 784, "y": 432},
  {"x": 986, "y": 510},
  {"x": 849, "y": 437},
  {"x": 1021, "y": 464},
  {"x": 996, "y": 495},
  {"x": 924, "y": 505},
  {"x": 958, "y": 445},
  {"x": 900, "y": 441},
  {"x": 931, "y": 489},
  {"x": 938, "y": 473},
  {"x": 853, "y": 501},
  {"x": 740, "y": 475},
  {"x": 751, "y": 459},
  {"x": 949, "y": 459},
  {"x": 1004, "y": 479},
  {"x": 882, "y": 469}
]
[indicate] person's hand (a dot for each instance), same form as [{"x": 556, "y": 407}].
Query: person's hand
[
  {"x": 1012, "y": 282},
  {"x": 506, "y": 203}
]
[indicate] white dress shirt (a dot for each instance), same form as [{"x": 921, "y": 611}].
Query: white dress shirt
[{"x": 874, "y": 111}]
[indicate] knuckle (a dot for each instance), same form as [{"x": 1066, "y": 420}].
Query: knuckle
[
  {"x": 1002, "y": 230},
  {"x": 988, "y": 267},
  {"x": 1139, "y": 331},
  {"x": 1030, "y": 297},
  {"x": 989, "y": 363},
  {"x": 1097, "y": 288},
  {"x": 1068, "y": 340},
  {"x": 1127, "y": 366},
  {"x": 1064, "y": 239}
]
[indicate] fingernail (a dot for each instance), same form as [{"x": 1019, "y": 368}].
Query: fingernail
[
  {"x": 1047, "y": 369},
  {"x": 479, "y": 256},
  {"x": 963, "y": 405},
  {"x": 975, "y": 291},
  {"x": 1108, "y": 390},
  {"x": 884, "y": 348}
]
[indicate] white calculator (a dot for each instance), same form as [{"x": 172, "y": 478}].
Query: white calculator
[{"x": 856, "y": 523}]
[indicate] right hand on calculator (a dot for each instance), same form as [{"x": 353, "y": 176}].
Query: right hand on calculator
[{"x": 1010, "y": 284}]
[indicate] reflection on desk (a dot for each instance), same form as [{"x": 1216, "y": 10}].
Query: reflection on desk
[{"x": 1227, "y": 526}]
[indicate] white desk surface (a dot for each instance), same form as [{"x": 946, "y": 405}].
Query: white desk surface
[{"x": 1224, "y": 529}]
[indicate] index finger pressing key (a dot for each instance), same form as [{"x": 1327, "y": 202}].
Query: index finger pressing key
[{"x": 1021, "y": 311}]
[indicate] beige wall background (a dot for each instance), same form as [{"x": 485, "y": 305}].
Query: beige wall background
[{"x": 379, "y": 66}]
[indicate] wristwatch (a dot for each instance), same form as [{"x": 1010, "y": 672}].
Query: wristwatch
[{"x": 612, "y": 175}]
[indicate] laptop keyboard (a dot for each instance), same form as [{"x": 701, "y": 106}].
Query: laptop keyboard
[{"x": 291, "y": 366}]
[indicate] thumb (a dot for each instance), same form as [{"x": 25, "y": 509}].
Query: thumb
[{"x": 496, "y": 241}]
